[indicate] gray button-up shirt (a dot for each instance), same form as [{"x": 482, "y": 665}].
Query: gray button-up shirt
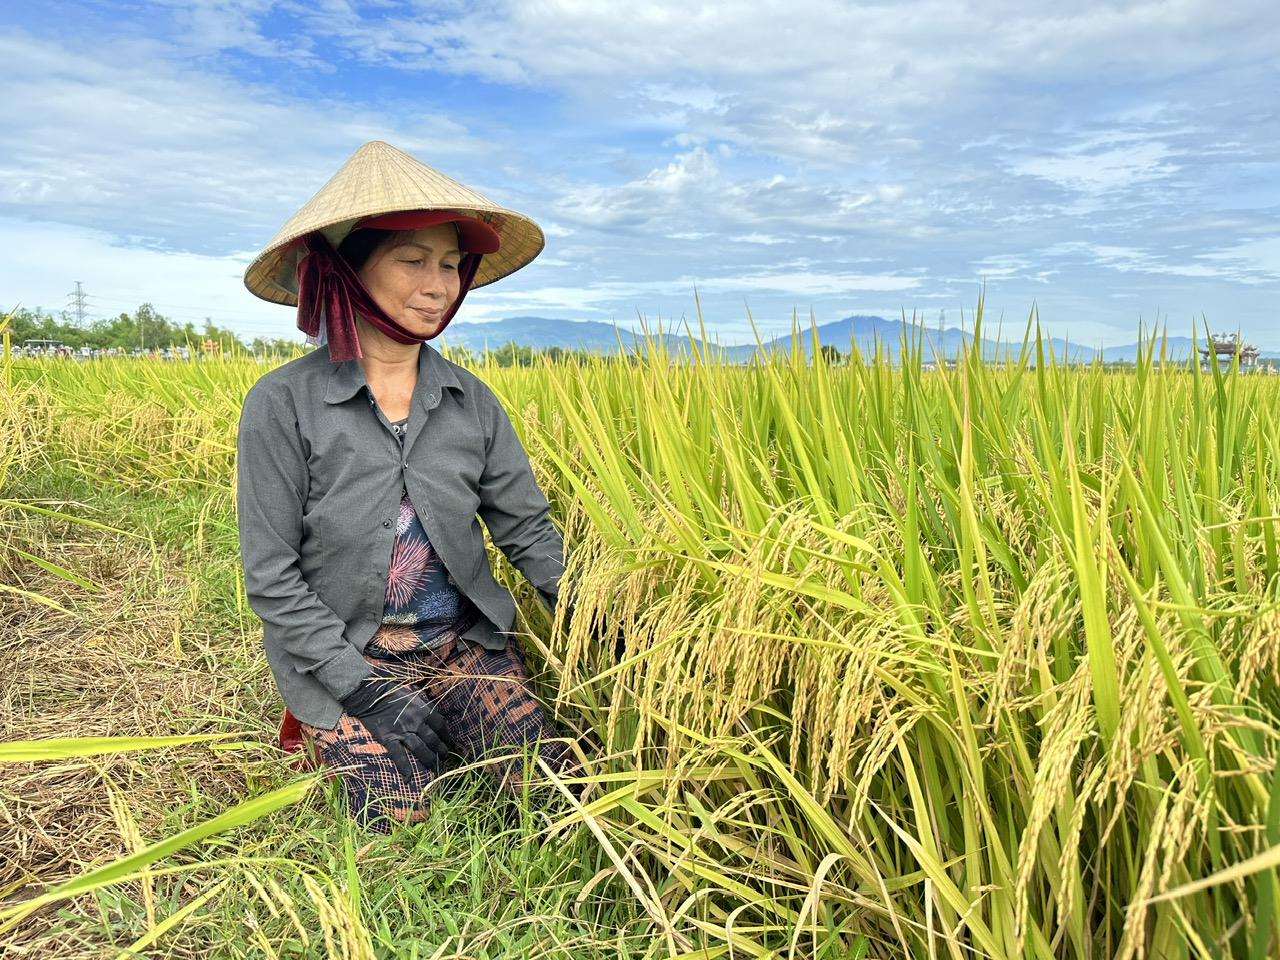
[{"x": 319, "y": 483}]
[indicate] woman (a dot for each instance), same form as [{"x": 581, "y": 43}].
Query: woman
[{"x": 364, "y": 469}]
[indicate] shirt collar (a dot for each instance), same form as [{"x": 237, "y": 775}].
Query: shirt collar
[{"x": 435, "y": 374}]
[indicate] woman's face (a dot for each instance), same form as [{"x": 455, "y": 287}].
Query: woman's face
[{"x": 414, "y": 278}]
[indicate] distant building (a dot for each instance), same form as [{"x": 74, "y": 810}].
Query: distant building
[
  {"x": 45, "y": 348},
  {"x": 1224, "y": 347}
]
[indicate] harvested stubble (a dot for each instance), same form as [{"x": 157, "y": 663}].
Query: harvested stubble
[{"x": 940, "y": 663}]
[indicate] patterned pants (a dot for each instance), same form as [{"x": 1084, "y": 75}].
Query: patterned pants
[{"x": 488, "y": 704}]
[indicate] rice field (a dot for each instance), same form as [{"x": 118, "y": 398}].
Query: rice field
[{"x": 971, "y": 662}]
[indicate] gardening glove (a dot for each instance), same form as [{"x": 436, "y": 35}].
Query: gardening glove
[{"x": 410, "y": 729}]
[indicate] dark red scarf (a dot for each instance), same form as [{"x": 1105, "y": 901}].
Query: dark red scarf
[{"x": 330, "y": 290}]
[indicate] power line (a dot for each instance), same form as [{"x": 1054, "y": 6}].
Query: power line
[{"x": 177, "y": 306}]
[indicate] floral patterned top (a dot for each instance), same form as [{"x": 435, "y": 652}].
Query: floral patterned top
[{"x": 423, "y": 606}]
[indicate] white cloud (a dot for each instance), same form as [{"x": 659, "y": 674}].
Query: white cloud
[
  {"x": 1256, "y": 261},
  {"x": 233, "y": 24},
  {"x": 493, "y": 303},
  {"x": 43, "y": 262},
  {"x": 1097, "y": 172},
  {"x": 803, "y": 283},
  {"x": 868, "y": 145},
  {"x": 130, "y": 139},
  {"x": 1003, "y": 266},
  {"x": 816, "y": 79},
  {"x": 1260, "y": 258},
  {"x": 662, "y": 193}
]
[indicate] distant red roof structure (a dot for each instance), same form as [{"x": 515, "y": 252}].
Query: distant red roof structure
[{"x": 1224, "y": 347}]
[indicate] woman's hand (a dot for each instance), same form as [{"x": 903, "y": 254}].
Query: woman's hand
[{"x": 403, "y": 722}]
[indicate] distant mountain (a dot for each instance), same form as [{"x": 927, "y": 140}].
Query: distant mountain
[
  {"x": 541, "y": 333},
  {"x": 538, "y": 333},
  {"x": 872, "y": 334},
  {"x": 868, "y": 333}
]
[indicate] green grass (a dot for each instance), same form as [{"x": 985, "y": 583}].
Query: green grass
[{"x": 481, "y": 877}]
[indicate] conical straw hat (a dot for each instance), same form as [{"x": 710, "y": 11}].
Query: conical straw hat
[{"x": 380, "y": 179}]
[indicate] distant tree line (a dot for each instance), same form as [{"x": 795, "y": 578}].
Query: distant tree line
[
  {"x": 145, "y": 330},
  {"x": 512, "y": 354}
]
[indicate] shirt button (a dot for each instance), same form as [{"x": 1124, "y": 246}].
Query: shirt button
[{"x": 386, "y": 523}]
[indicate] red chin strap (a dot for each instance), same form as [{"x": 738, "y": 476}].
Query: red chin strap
[{"x": 329, "y": 290}]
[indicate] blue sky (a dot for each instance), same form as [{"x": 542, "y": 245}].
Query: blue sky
[{"x": 1107, "y": 164}]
